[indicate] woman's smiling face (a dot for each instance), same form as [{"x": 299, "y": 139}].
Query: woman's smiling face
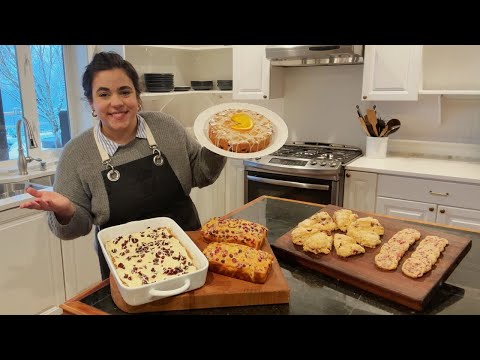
[{"x": 115, "y": 101}]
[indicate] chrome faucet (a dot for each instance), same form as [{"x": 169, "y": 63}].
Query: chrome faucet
[{"x": 32, "y": 144}]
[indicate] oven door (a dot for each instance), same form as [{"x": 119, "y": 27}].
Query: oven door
[{"x": 290, "y": 187}]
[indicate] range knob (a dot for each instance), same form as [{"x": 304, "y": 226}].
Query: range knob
[
  {"x": 323, "y": 163},
  {"x": 333, "y": 164},
  {"x": 313, "y": 162}
]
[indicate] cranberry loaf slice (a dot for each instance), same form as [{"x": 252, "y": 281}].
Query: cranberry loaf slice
[
  {"x": 239, "y": 261},
  {"x": 236, "y": 231}
]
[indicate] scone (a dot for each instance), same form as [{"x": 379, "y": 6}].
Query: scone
[
  {"x": 343, "y": 218},
  {"x": 324, "y": 221},
  {"x": 364, "y": 238},
  {"x": 300, "y": 233},
  {"x": 319, "y": 242},
  {"x": 369, "y": 224},
  {"x": 346, "y": 246},
  {"x": 307, "y": 223},
  {"x": 366, "y": 231}
]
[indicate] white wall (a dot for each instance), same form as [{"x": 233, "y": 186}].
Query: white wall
[{"x": 320, "y": 104}]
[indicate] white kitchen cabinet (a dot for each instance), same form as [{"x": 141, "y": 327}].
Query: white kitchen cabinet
[
  {"x": 223, "y": 196},
  {"x": 440, "y": 214},
  {"x": 441, "y": 202},
  {"x": 391, "y": 72},
  {"x": 253, "y": 76},
  {"x": 30, "y": 263},
  {"x": 406, "y": 209},
  {"x": 234, "y": 184},
  {"x": 436, "y": 201},
  {"x": 360, "y": 191},
  {"x": 450, "y": 70},
  {"x": 464, "y": 218},
  {"x": 80, "y": 264},
  {"x": 210, "y": 200}
]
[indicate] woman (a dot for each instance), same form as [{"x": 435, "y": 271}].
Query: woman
[{"x": 130, "y": 166}]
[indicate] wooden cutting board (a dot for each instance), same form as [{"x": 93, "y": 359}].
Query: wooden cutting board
[
  {"x": 218, "y": 291},
  {"x": 361, "y": 271}
]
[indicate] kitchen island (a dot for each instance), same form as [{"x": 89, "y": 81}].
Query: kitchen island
[{"x": 312, "y": 293}]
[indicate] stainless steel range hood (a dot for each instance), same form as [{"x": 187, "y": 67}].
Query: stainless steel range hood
[{"x": 314, "y": 55}]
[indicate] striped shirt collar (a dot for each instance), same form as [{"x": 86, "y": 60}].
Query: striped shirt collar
[{"x": 110, "y": 146}]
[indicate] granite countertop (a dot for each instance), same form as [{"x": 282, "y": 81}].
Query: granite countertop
[
  {"x": 427, "y": 168},
  {"x": 312, "y": 293}
]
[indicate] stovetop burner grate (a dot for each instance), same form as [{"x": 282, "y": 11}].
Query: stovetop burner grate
[{"x": 340, "y": 153}]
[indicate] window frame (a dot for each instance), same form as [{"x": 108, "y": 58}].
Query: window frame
[{"x": 75, "y": 58}]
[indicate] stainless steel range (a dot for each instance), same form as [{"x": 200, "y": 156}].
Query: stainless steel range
[{"x": 306, "y": 171}]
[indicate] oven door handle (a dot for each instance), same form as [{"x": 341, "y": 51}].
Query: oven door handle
[{"x": 288, "y": 183}]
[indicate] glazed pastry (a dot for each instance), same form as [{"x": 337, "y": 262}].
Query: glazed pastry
[{"x": 240, "y": 130}]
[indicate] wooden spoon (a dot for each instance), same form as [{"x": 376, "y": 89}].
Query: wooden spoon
[
  {"x": 369, "y": 126},
  {"x": 362, "y": 124},
  {"x": 372, "y": 119}
]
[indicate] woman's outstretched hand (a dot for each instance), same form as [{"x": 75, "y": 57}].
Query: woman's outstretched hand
[{"x": 50, "y": 201}]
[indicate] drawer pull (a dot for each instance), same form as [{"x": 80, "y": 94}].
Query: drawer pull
[
  {"x": 431, "y": 209},
  {"x": 442, "y": 211},
  {"x": 438, "y": 193}
]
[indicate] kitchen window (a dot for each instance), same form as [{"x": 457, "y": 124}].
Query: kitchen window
[{"x": 32, "y": 85}]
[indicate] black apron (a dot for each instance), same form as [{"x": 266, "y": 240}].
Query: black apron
[{"x": 145, "y": 190}]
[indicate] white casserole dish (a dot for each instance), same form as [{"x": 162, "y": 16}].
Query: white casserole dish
[{"x": 163, "y": 288}]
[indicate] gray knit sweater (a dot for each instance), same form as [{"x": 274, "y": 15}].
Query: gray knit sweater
[{"x": 79, "y": 177}]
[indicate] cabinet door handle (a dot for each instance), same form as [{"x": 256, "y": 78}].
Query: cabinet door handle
[
  {"x": 364, "y": 97},
  {"x": 442, "y": 211},
  {"x": 438, "y": 193},
  {"x": 431, "y": 209},
  {"x": 347, "y": 175}
]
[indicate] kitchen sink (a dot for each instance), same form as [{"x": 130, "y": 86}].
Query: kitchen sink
[
  {"x": 18, "y": 188},
  {"x": 44, "y": 180}
]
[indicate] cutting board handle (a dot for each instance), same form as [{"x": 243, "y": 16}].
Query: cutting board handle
[{"x": 165, "y": 293}]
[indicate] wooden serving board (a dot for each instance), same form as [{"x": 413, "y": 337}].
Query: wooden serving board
[
  {"x": 218, "y": 291},
  {"x": 361, "y": 271}
]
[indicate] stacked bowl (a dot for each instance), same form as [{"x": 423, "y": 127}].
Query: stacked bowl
[
  {"x": 225, "y": 84},
  {"x": 158, "y": 82},
  {"x": 202, "y": 85}
]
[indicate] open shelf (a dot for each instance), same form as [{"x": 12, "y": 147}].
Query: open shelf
[
  {"x": 450, "y": 70},
  {"x": 191, "y": 47},
  {"x": 449, "y": 92},
  {"x": 151, "y": 95}
]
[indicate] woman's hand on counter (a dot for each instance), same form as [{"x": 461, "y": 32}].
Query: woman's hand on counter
[{"x": 50, "y": 201}]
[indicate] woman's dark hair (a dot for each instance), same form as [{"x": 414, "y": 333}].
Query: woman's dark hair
[{"x": 108, "y": 61}]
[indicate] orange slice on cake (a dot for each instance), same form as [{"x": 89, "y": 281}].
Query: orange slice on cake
[{"x": 242, "y": 121}]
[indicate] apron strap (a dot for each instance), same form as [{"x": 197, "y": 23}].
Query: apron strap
[{"x": 114, "y": 175}]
